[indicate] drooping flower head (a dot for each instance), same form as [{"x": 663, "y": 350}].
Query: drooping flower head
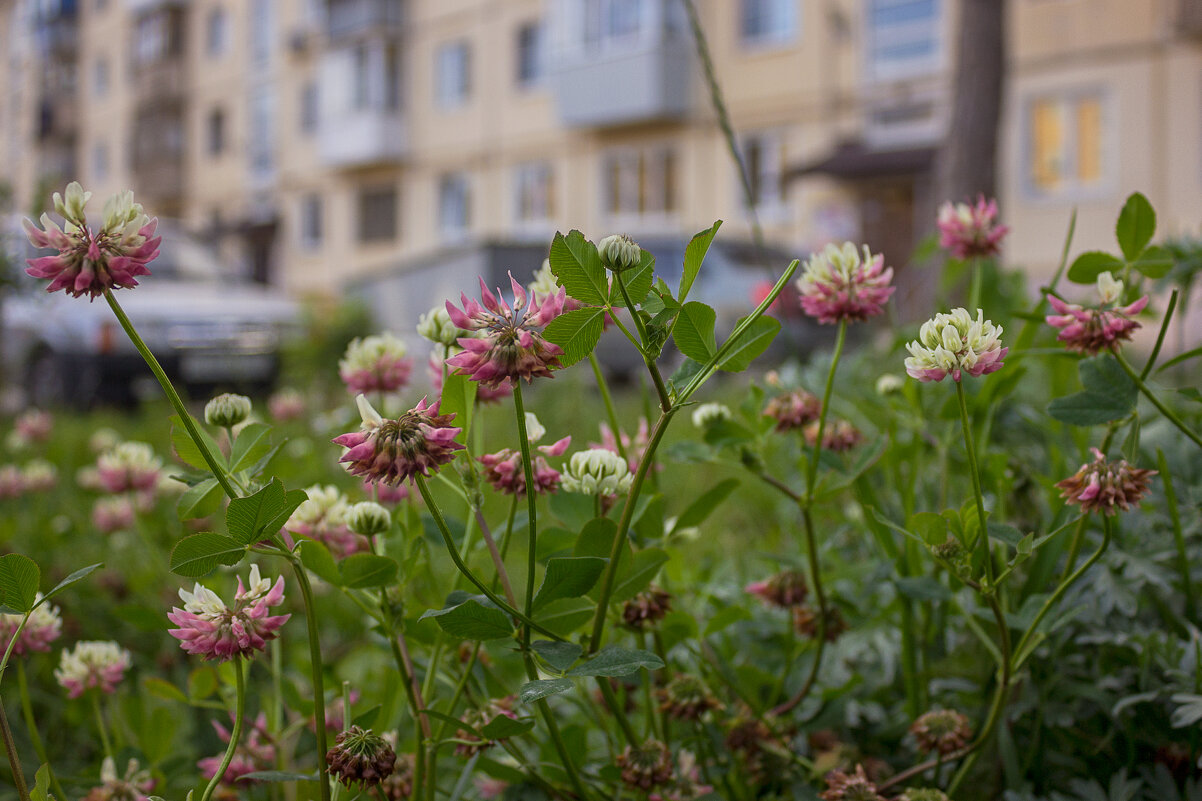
[
  {"x": 838, "y": 436},
  {"x": 508, "y": 344},
  {"x": 955, "y": 343},
  {"x": 375, "y": 364},
  {"x": 793, "y": 409},
  {"x": 839, "y": 284},
  {"x": 1098, "y": 328},
  {"x": 90, "y": 261},
  {"x": 212, "y": 630},
  {"x": 391, "y": 451},
  {"x": 323, "y": 518},
  {"x": 130, "y": 466},
  {"x": 360, "y": 756},
  {"x": 42, "y": 628},
  {"x": 942, "y": 730},
  {"x": 970, "y": 230},
  {"x": 92, "y": 664},
  {"x": 505, "y": 472},
  {"x": 436, "y": 366},
  {"x": 254, "y": 753},
  {"x": 784, "y": 590},
  {"x": 647, "y": 608},
  {"x": 597, "y": 471},
  {"x": 855, "y": 786},
  {"x": 1105, "y": 486},
  {"x": 134, "y": 785},
  {"x": 686, "y": 697}
]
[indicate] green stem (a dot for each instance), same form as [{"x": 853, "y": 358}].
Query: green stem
[
  {"x": 820, "y": 594},
  {"x": 318, "y": 678},
  {"x": 236, "y": 733},
  {"x": 1074, "y": 549},
  {"x": 1170, "y": 497},
  {"x": 665, "y": 402},
  {"x": 31, "y": 724},
  {"x": 412, "y": 695},
  {"x": 105, "y": 743},
  {"x": 610, "y": 413},
  {"x": 531, "y": 507},
  {"x": 970, "y": 447},
  {"x": 217, "y": 470},
  {"x": 561, "y": 748},
  {"x": 974, "y": 287},
  {"x": 812, "y": 467},
  {"x": 1164, "y": 329},
  {"x": 10, "y": 748},
  {"x": 1169, "y": 414},
  {"x": 619, "y": 712},
  {"x": 432, "y": 507}
]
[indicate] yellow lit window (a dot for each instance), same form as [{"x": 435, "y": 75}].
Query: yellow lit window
[{"x": 1065, "y": 144}]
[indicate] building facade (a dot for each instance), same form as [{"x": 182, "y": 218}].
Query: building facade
[{"x": 322, "y": 141}]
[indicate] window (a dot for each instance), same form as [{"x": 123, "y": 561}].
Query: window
[
  {"x": 763, "y": 158},
  {"x": 768, "y": 21},
  {"x": 360, "y": 88},
  {"x": 453, "y": 201},
  {"x": 609, "y": 21},
  {"x": 308, "y": 108},
  {"x": 640, "y": 182},
  {"x": 217, "y": 33},
  {"x": 101, "y": 77},
  {"x": 310, "y": 221},
  {"x": 530, "y": 54},
  {"x": 534, "y": 192},
  {"x": 100, "y": 161},
  {"x": 150, "y": 39},
  {"x": 904, "y": 37},
  {"x": 1066, "y": 144},
  {"x": 215, "y": 132},
  {"x": 261, "y": 133},
  {"x": 378, "y": 214},
  {"x": 260, "y": 31},
  {"x": 452, "y": 73}
]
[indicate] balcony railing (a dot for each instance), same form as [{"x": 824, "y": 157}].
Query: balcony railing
[
  {"x": 361, "y": 138},
  {"x": 644, "y": 83},
  {"x": 353, "y": 17}
]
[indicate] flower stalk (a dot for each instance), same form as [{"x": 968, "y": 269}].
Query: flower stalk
[{"x": 236, "y": 732}]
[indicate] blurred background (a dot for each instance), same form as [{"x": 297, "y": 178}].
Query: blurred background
[{"x": 395, "y": 149}]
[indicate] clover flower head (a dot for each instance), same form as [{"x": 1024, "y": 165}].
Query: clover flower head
[
  {"x": 39, "y": 475},
  {"x": 838, "y": 436},
  {"x": 508, "y": 345},
  {"x": 839, "y": 284},
  {"x": 286, "y": 405},
  {"x": 12, "y": 481},
  {"x": 478, "y": 719},
  {"x": 647, "y": 766},
  {"x": 619, "y": 253},
  {"x": 647, "y": 608},
  {"x": 129, "y": 467},
  {"x": 806, "y": 621},
  {"x": 855, "y": 786},
  {"x": 254, "y": 753},
  {"x": 43, "y": 627},
  {"x": 597, "y": 471},
  {"x": 793, "y": 409},
  {"x": 707, "y": 414},
  {"x": 1103, "y": 327},
  {"x": 436, "y": 326},
  {"x": 505, "y": 472},
  {"x": 686, "y": 697},
  {"x": 212, "y": 630},
  {"x": 1105, "y": 486},
  {"x": 90, "y": 262},
  {"x": 954, "y": 344},
  {"x": 134, "y": 785},
  {"x": 114, "y": 513},
  {"x": 970, "y": 230},
  {"x": 686, "y": 785},
  {"x": 390, "y": 451},
  {"x": 784, "y": 590},
  {"x": 103, "y": 439},
  {"x": 360, "y": 756},
  {"x": 92, "y": 664},
  {"x": 33, "y": 425},
  {"x": 227, "y": 410},
  {"x": 399, "y": 785},
  {"x": 368, "y": 518},
  {"x": 942, "y": 730},
  {"x": 889, "y": 383},
  {"x": 376, "y": 363},
  {"x": 323, "y": 517}
]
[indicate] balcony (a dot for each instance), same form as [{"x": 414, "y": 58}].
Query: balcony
[
  {"x": 350, "y": 18},
  {"x": 57, "y": 119},
  {"x": 160, "y": 81},
  {"x": 360, "y": 122},
  {"x": 361, "y": 139},
  {"x": 59, "y": 36},
  {"x": 161, "y": 182},
  {"x": 1189, "y": 17}
]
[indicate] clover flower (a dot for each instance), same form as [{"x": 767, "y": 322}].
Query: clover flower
[
  {"x": 435, "y": 366},
  {"x": 805, "y": 621},
  {"x": 508, "y": 345},
  {"x": 793, "y": 409},
  {"x": 686, "y": 785},
  {"x": 839, "y": 284},
  {"x": 212, "y": 630},
  {"x": 478, "y": 719},
  {"x": 90, "y": 262},
  {"x": 856, "y": 786},
  {"x": 955, "y": 343},
  {"x": 103, "y": 439},
  {"x": 134, "y": 785},
  {"x": 368, "y": 518},
  {"x": 619, "y": 253},
  {"x": 838, "y": 436},
  {"x": 286, "y": 405},
  {"x": 227, "y": 410},
  {"x": 647, "y": 608},
  {"x": 34, "y": 425},
  {"x": 597, "y": 471},
  {"x": 360, "y": 756},
  {"x": 398, "y": 786},
  {"x": 942, "y": 730},
  {"x": 12, "y": 481},
  {"x": 92, "y": 664},
  {"x": 254, "y": 753},
  {"x": 130, "y": 466},
  {"x": 686, "y": 697},
  {"x": 504, "y": 469},
  {"x": 114, "y": 513},
  {"x": 707, "y": 414},
  {"x": 436, "y": 326},
  {"x": 634, "y": 446},
  {"x": 1099, "y": 328},
  {"x": 39, "y": 475},
  {"x": 391, "y": 451},
  {"x": 969, "y": 231},
  {"x": 784, "y": 590},
  {"x": 1102, "y": 485},
  {"x": 375, "y": 364},
  {"x": 43, "y": 627},
  {"x": 323, "y": 517}
]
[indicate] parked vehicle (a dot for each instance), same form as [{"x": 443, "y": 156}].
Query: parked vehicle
[{"x": 209, "y": 328}]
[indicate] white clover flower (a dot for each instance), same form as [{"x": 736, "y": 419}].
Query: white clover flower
[
  {"x": 707, "y": 414},
  {"x": 889, "y": 383},
  {"x": 227, "y": 410},
  {"x": 436, "y": 326},
  {"x": 952, "y": 343},
  {"x": 92, "y": 664},
  {"x": 597, "y": 472},
  {"x": 326, "y": 507},
  {"x": 545, "y": 282},
  {"x": 368, "y": 518},
  {"x": 377, "y": 363}
]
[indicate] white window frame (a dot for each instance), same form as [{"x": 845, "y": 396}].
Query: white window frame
[
  {"x": 217, "y": 32},
  {"x": 636, "y": 169},
  {"x": 768, "y": 205},
  {"x": 310, "y": 210},
  {"x": 784, "y": 28},
  {"x": 453, "y": 74},
  {"x": 900, "y": 68},
  {"x": 537, "y": 178},
  {"x": 454, "y": 186},
  {"x": 1072, "y": 189}
]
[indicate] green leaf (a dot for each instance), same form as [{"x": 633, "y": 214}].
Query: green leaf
[
  {"x": 575, "y": 262},
  {"x": 78, "y": 575},
  {"x": 502, "y": 727},
  {"x": 316, "y": 557},
  {"x": 19, "y": 579},
  {"x": 458, "y": 398},
  {"x": 1089, "y": 265},
  {"x": 260, "y": 516},
  {"x": 532, "y": 691},
  {"x": 699, "y": 510},
  {"x": 1103, "y": 375},
  {"x": 41, "y": 785},
  {"x": 363, "y": 570},
  {"x": 637, "y": 573},
  {"x": 568, "y": 577},
  {"x": 559, "y": 655},
  {"x": 577, "y": 332},
  {"x": 197, "y": 555},
  {"x": 202, "y": 682},
  {"x": 596, "y": 538},
  {"x": 1109, "y": 394},
  {"x": 922, "y": 588},
  {"x": 472, "y": 620},
  {"x": 694, "y": 255},
  {"x": 1135, "y": 226},
  {"x": 1155, "y": 262},
  {"x": 638, "y": 282},
  {"x": 567, "y": 615},
  {"x": 250, "y": 446},
  {"x": 754, "y": 340},
  {"x": 694, "y": 331},
  {"x": 1004, "y": 532},
  {"x": 615, "y": 662},
  {"x": 199, "y": 500},
  {"x": 726, "y": 618},
  {"x": 1191, "y": 393},
  {"x": 186, "y": 449},
  {"x": 932, "y": 528},
  {"x": 163, "y": 689}
]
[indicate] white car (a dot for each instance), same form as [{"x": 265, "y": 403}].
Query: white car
[{"x": 209, "y": 329}]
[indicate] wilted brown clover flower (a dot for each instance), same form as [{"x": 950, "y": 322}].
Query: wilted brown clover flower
[
  {"x": 647, "y": 766},
  {"x": 922, "y": 794},
  {"x": 646, "y": 608},
  {"x": 793, "y": 409},
  {"x": 841, "y": 786},
  {"x": 1103, "y": 485},
  {"x": 686, "y": 698},
  {"x": 786, "y": 589},
  {"x": 942, "y": 730},
  {"x": 805, "y": 622},
  {"x": 360, "y": 756}
]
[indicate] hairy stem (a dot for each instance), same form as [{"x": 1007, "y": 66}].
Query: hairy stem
[
  {"x": 31, "y": 724},
  {"x": 317, "y": 673},
  {"x": 10, "y": 749},
  {"x": 236, "y": 731}
]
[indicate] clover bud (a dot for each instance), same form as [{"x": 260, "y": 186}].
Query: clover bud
[
  {"x": 619, "y": 253},
  {"x": 368, "y": 518},
  {"x": 227, "y": 410}
]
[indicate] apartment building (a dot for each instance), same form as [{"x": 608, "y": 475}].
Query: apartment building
[{"x": 324, "y": 141}]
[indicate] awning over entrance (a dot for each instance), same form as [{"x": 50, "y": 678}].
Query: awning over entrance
[{"x": 853, "y": 160}]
